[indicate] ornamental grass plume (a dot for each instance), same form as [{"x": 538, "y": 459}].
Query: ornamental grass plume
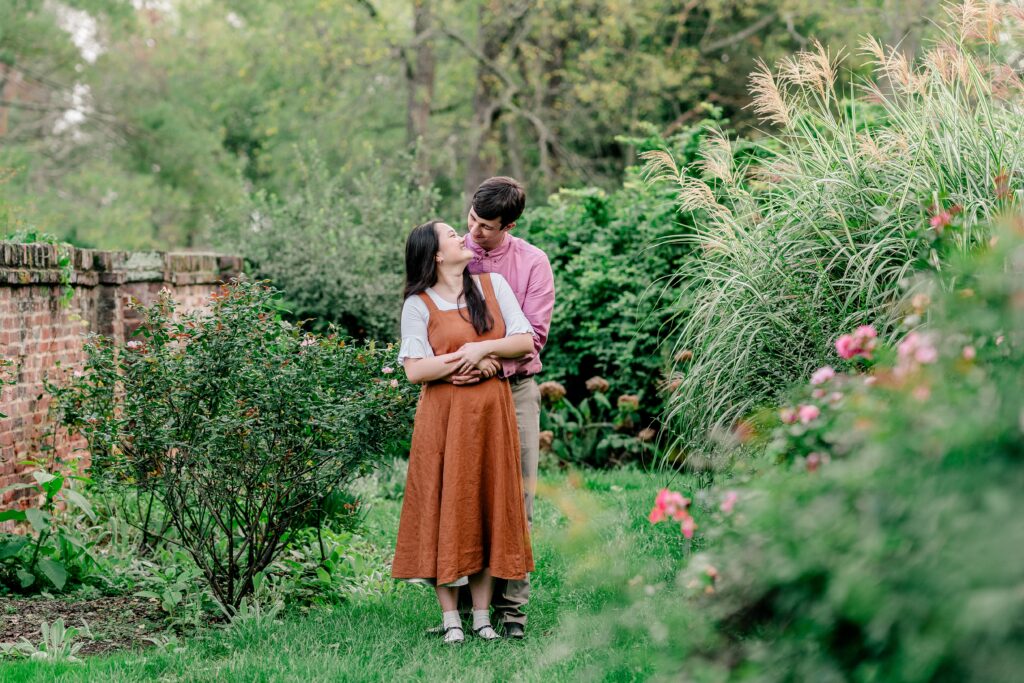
[{"x": 819, "y": 232}]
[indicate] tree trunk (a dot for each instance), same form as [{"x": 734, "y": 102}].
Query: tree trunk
[{"x": 420, "y": 75}]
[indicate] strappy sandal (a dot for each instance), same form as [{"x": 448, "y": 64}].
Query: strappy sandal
[
  {"x": 453, "y": 639},
  {"x": 481, "y": 633}
]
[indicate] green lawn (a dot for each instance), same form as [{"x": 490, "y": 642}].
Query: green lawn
[{"x": 590, "y": 534}]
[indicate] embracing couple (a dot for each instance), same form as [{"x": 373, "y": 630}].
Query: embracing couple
[{"x": 476, "y": 315}]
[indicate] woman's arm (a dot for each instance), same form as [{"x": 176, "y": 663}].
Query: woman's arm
[
  {"x": 422, "y": 370},
  {"x": 512, "y": 346}
]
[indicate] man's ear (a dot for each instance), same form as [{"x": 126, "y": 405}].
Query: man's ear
[{"x": 509, "y": 226}]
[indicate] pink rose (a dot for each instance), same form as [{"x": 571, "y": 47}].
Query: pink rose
[
  {"x": 861, "y": 343},
  {"x": 688, "y": 526},
  {"x": 822, "y": 375},
  {"x": 729, "y": 502},
  {"x": 969, "y": 353},
  {"x": 669, "y": 504},
  {"x": 940, "y": 220},
  {"x": 808, "y": 413},
  {"x": 387, "y": 370}
]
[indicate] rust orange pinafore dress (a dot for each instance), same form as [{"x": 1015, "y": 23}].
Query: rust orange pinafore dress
[{"x": 463, "y": 507}]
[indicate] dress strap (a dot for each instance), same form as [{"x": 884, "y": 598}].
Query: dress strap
[
  {"x": 489, "y": 295},
  {"x": 431, "y": 306}
]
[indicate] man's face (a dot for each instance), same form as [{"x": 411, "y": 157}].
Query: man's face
[{"x": 487, "y": 233}]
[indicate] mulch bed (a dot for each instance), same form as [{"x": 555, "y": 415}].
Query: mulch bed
[{"x": 117, "y": 623}]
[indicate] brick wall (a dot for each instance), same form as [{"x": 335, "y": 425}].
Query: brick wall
[{"x": 37, "y": 332}]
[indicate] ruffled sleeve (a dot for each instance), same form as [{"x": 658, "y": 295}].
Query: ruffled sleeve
[
  {"x": 515, "y": 321},
  {"x": 415, "y": 317}
]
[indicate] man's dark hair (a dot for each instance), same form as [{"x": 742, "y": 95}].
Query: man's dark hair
[{"x": 500, "y": 197}]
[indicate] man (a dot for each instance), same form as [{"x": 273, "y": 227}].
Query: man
[{"x": 496, "y": 206}]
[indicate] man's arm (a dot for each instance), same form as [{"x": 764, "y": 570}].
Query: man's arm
[{"x": 537, "y": 307}]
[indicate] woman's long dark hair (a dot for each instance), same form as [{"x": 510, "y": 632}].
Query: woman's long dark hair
[{"x": 421, "y": 272}]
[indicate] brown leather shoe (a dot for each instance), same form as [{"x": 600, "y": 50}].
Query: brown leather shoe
[{"x": 514, "y": 630}]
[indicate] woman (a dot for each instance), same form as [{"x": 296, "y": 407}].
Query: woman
[{"x": 463, "y": 519}]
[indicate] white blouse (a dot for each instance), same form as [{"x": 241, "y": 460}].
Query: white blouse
[{"x": 416, "y": 315}]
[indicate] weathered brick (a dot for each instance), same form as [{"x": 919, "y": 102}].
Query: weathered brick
[{"x": 37, "y": 332}]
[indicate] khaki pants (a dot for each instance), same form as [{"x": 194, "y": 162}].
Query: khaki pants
[{"x": 510, "y": 597}]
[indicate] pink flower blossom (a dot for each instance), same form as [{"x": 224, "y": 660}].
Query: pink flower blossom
[
  {"x": 729, "y": 501},
  {"x": 915, "y": 349},
  {"x": 308, "y": 341},
  {"x": 393, "y": 384},
  {"x": 861, "y": 343},
  {"x": 822, "y": 375},
  {"x": 818, "y": 393},
  {"x": 969, "y": 353},
  {"x": 808, "y": 413},
  {"x": 387, "y": 370},
  {"x": 669, "y": 504},
  {"x": 688, "y": 527},
  {"x": 134, "y": 344},
  {"x": 940, "y": 220},
  {"x": 787, "y": 415},
  {"x": 813, "y": 461},
  {"x": 835, "y": 397}
]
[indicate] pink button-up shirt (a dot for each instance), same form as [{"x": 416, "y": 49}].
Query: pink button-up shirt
[{"x": 528, "y": 272}]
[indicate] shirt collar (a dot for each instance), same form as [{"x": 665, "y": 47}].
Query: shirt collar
[{"x": 500, "y": 251}]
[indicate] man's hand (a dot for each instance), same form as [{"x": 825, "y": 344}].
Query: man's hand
[
  {"x": 471, "y": 377},
  {"x": 488, "y": 368}
]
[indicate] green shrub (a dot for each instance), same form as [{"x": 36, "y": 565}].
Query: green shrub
[
  {"x": 335, "y": 245},
  {"x": 617, "y": 259},
  {"x": 239, "y": 423},
  {"x": 833, "y": 226},
  {"x": 896, "y": 552},
  {"x": 52, "y": 554}
]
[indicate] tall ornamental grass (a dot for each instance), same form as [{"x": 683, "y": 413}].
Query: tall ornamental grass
[{"x": 861, "y": 191}]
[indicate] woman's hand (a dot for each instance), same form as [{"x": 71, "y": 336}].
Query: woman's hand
[{"x": 470, "y": 357}]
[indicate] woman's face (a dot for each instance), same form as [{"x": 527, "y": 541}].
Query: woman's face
[{"x": 451, "y": 248}]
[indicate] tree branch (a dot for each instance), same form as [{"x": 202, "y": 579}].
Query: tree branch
[{"x": 739, "y": 36}]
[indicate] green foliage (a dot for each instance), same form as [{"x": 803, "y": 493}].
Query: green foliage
[
  {"x": 238, "y": 422},
  {"x": 58, "y": 643},
  {"x": 615, "y": 278},
  {"x": 592, "y": 432},
  {"x": 336, "y": 245},
  {"x": 52, "y": 554},
  {"x": 837, "y": 221},
  {"x": 895, "y": 554}
]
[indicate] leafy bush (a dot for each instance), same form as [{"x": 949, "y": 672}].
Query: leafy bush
[
  {"x": 616, "y": 279},
  {"x": 239, "y": 423},
  {"x": 894, "y": 554},
  {"x": 592, "y": 432},
  {"x": 335, "y": 246},
  {"x": 855, "y": 199},
  {"x": 53, "y": 553}
]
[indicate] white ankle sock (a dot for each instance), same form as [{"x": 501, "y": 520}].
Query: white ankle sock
[
  {"x": 449, "y": 619},
  {"x": 481, "y": 617}
]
